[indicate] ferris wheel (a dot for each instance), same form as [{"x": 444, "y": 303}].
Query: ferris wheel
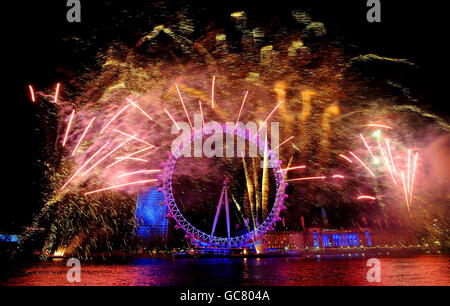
[{"x": 231, "y": 240}]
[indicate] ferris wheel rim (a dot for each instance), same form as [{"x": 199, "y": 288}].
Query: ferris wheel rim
[{"x": 236, "y": 241}]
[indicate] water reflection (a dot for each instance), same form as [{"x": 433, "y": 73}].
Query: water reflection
[{"x": 423, "y": 270}]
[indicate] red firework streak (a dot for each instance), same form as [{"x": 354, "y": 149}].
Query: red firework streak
[
  {"x": 114, "y": 118},
  {"x": 82, "y": 167},
  {"x": 182, "y": 102},
  {"x": 56, "y": 93},
  {"x": 242, "y": 105},
  {"x": 139, "y": 172},
  {"x": 362, "y": 163},
  {"x": 367, "y": 146},
  {"x": 212, "y": 91},
  {"x": 68, "y": 127},
  {"x": 283, "y": 143},
  {"x": 386, "y": 162},
  {"x": 308, "y": 178},
  {"x": 128, "y": 156},
  {"x": 271, "y": 113},
  {"x": 173, "y": 120},
  {"x": 104, "y": 157},
  {"x": 32, "y": 93},
  {"x": 366, "y": 197},
  {"x": 121, "y": 185},
  {"x": 294, "y": 168},
  {"x": 139, "y": 108},
  {"x": 82, "y": 136},
  {"x": 128, "y": 135},
  {"x": 201, "y": 113},
  {"x": 346, "y": 158}
]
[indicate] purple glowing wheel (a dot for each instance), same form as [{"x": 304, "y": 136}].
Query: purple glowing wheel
[{"x": 201, "y": 237}]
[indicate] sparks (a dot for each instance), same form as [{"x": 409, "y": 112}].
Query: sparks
[
  {"x": 362, "y": 163},
  {"x": 114, "y": 117},
  {"x": 201, "y": 113},
  {"x": 56, "y": 93},
  {"x": 390, "y": 155},
  {"x": 293, "y": 168},
  {"x": 138, "y": 172},
  {"x": 104, "y": 157},
  {"x": 139, "y": 108},
  {"x": 366, "y": 197},
  {"x": 82, "y": 136},
  {"x": 407, "y": 178},
  {"x": 283, "y": 143},
  {"x": 404, "y": 189},
  {"x": 128, "y": 156},
  {"x": 386, "y": 162},
  {"x": 182, "y": 102},
  {"x": 212, "y": 91},
  {"x": 379, "y": 126},
  {"x": 308, "y": 178},
  {"x": 82, "y": 167},
  {"x": 128, "y": 135},
  {"x": 68, "y": 127},
  {"x": 133, "y": 158},
  {"x": 271, "y": 113},
  {"x": 242, "y": 105},
  {"x": 338, "y": 176},
  {"x": 346, "y": 158},
  {"x": 173, "y": 120},
  {"x": 413, "y": 177},
  {"x": 368, "y": 148},
  {"x": 33, "y": 99},
  {"x": 121, "y": 185}
]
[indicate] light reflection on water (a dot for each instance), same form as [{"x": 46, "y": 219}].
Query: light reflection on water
[{"x": 420, "y": 270}]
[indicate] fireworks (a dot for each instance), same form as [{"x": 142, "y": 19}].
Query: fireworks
[
  {"x": 182, "y": 102},
  {"x": 121, "y": 185},
  {"x": 82, "y": 136},
  {"x": 32, "y": 97},
  {"x": 294, "y": 168},
  {"x": 55, "y": 100},
  {"x": 308, "y": 178},
  {"x": 139, "y": 108},
  {"x": 362, "y": 163},
  {"x": 129, "y": 156},
  {"x": 212, "y": 91},
  {"x": 242, "y": 106},
  {"x": 68, "y": 127},
  {"x": 139, "y": 172},
  {"x": 114, "y": 117},
  {"x": 173, "y": 120},
  {"x": 104, "y": 157}
]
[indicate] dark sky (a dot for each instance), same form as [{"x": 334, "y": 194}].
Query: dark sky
[{"x": 34, "y": 52}]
